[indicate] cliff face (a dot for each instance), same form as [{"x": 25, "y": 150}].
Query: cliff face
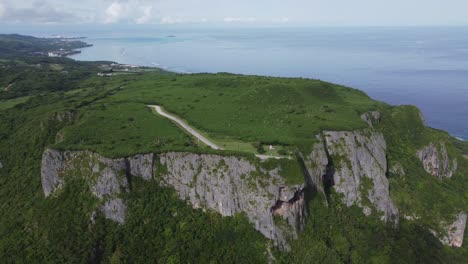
[
  {"x": 436, "y": 161},
  {"x": 231, "y": 185},
  {"x": 452, "y": 234},
  {"x": 355, "y": 165},
  {"x": 228, "y": 185},
  {"x": 106, "y": 178}
]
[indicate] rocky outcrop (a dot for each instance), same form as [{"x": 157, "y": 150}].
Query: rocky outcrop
[
  {"x": 106, "y": 178},
  {"x": 436, "y": 161},
  {"x": 317, "y": 166},
  {"x": 398, "y": 170},
  {"x": 114, "y": 209},
  {"x": 52, "y": 166},
  {"x": 228, "y": 185},
  {"x": 453, "y": 233},
  {"x": 360, "y": 166},
  {"x": 371, "y": 118},
  {"x": 1, "y": 165},
  {"x": 65, "y": 116},
  {"x": 231, "y": 185},
  {"x": 142, "y": 166}
]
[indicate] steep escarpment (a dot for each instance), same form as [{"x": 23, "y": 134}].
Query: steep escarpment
[
  {"x": 350, "y": 164},
  {"x": 452, "y": 234},
  {"x": 436, "y": 161},
  {"x": 106, "y": 178},
  {"x": 354, "y": 164},
  {"x": 227, "y": 185},
  {"x": 231, "y": 185}
]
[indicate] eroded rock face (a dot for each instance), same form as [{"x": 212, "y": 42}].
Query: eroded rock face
[
  {"x": 317, "y": 166},
  {"x": 106, "y": 177},
  {"x": 360, "y": 165},
  {"x": 371, "y": 118},
  {"x": 114, "y": 209},
  {"x": 231, "y": 185},
  {"x": 142, "y": 166},
  {"x": 397, "y": 169},
  {"x": 454, "y": 232},
  {"x": 436, "y": 161},
  {"x": 52, "y": 166},
  {"x": 228, "y": 185}
]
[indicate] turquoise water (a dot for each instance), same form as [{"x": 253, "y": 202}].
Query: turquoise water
[{"x": 427, "y": 67}]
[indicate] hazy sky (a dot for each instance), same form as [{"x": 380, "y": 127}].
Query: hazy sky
[{"x": 305, "y": 12}]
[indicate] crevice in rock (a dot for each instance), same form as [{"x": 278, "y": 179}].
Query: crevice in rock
[
  {"x": 128, "y": 175},
  {"x": 282, "y": 208},
  {"x": 327, "y": 179},
  {"x": 307, "y": 177}
]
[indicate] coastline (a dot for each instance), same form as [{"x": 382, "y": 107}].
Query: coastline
[{"x": 434, "y": 119}]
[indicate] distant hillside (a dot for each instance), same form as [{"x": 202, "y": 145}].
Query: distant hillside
[{"x": 14, "y": 44}]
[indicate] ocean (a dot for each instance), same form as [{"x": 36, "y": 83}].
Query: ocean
[{"x": 422, "y": 66}]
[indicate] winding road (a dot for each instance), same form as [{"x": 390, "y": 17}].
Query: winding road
[
  {"x": 199, "y": 136},
  {"x": 185, "y": 126}
]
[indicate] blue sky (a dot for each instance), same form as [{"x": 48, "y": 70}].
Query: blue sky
[{"x": 249, "y": 12}]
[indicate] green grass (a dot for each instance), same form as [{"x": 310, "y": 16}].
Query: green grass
[
  {"x": 252, "y": 108},
  {"x": 7, "y": 104},
  {"x": 117, "y": 129}
]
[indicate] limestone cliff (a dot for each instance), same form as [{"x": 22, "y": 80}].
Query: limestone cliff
[
  {"x": 106, "y": 178},
  {"x": 354, "y": 164},
  {"x": 371, "y": 118},
  {"x": 452, "y": 234},
  {"x": 360, "y": 165},
  {"x": 436, "y": 161},
  {"x": 228, "y": 185},
  {"x": 317, "y": 166}
]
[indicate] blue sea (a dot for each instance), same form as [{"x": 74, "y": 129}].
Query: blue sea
[{"x": 423, "y": 66}]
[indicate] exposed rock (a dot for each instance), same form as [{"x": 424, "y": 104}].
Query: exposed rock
[
  {"x": 231, "y": 185},
  {"x": 65, "y": 116},
  {"x": 411, "y": 217},
  {"x": 397, "y": 169},
  {"x": 1, "y": 165},
  {"x": 59, "y": 137},
  {"x": 142, "y": 166},
  {"x": 107, "y": 178},
  {"x": 316, "y": 164},
  {"x": 93, "y": 218},
  {"x": 360, "y": 165},
  {"x": 436, "y": 161},
  {"x": 376, "y": 116},
  {"x": 371, "y": 118},
  {"x": 453, "y": 233},
  {"x": 52, "y": 166},
  {"x": 228, "y": 185},
  {"x": 114, "y": 209}
]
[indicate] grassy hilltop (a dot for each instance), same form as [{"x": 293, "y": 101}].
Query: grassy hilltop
[{"x": 61, "y": 103}]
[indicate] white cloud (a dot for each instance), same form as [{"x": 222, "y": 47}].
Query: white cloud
[
  {"x": 113, "y": 13},
  {"x": 309, "y": 12},
  {"x": 238, "y": 19},
  {"x": 167, "y": 20},
  {"x": 2, "y": 10},
  {"x": 147, "y": 15}
]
